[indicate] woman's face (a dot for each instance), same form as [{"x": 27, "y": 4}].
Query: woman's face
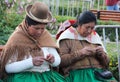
[
  {"x": 86, "y": 29},
  {"x": 36, "y": 30}
]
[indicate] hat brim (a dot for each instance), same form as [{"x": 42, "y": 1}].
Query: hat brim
[{"x": 47, "y": 20}]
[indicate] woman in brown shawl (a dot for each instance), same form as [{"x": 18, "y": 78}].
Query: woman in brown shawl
[
  {"x": 82, "y": 52},
  {"x": 30, "y": 50}
]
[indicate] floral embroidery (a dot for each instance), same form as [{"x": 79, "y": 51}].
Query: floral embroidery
[
  {"x": 94, "y": 32},
  {"x": 91, "y": 35},
  {"x": 74, "y": 32}
]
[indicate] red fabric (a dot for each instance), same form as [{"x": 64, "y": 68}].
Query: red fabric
[
  {"x": 111, "y": 2},
  {"x": 71, "y": 23},
  {"x": 94, "y": 32},
  {"x": 58, "y": 35}
]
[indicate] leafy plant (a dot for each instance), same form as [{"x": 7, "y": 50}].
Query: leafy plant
[
  {"x": 113, "y": 54},
  {"x": 8, "y": 24}
]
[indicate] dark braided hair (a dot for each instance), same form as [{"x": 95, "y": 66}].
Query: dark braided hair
[
  {"x": 85, "y": 17},
  {"x": 31, "y": 22}
]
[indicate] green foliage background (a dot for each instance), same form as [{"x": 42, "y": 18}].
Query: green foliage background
[{"x": 9, "y": 21}]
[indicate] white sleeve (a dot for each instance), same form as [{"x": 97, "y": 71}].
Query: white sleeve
[
  {"x": 19, "y": 66},
  {"x": 54, "y": 52},
  {"x": 45, "y": 51}
]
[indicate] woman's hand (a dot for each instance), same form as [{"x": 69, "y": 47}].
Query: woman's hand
[
  {"x": 50, "y": 58},
  {"x": 102, "y": 57},
  {"x": 100, "y": 51},
  {"x": 38, "y": 60},
  {"x": 88, "y": 51}
]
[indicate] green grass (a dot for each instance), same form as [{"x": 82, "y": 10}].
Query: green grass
[{"x": 113, "y": 53}]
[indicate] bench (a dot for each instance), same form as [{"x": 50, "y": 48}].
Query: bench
[{"x": 106, "y": 15}]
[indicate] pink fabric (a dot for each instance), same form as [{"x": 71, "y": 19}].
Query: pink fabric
[
  {"x": 111, "y": 2},
  {"x": 65, "y": 25}
]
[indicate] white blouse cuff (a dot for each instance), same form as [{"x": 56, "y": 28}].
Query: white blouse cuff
[{"x": 19, "y": 66}]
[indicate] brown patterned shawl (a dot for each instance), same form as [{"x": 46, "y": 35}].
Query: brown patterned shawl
[{"x": 22, "y": 42}]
